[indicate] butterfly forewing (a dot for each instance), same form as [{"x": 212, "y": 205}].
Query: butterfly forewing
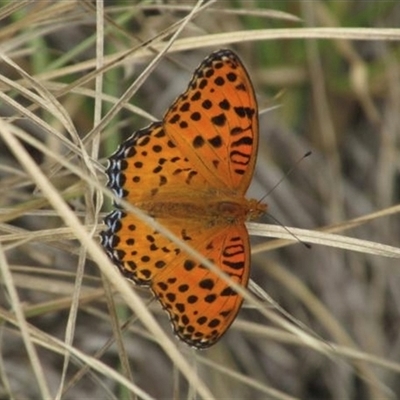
[{"x": 215, "y": 122}]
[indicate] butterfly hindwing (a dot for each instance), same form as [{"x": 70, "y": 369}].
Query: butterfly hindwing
[{"x": 200, "y": 304}]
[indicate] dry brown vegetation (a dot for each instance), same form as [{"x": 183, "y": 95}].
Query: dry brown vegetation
[{"x": 77, "y": 78}]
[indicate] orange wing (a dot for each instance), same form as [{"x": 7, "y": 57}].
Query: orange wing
[
  {"x": 150, "y": 166},
  {"x": 206, "y": 144},
  {"x": 201, "y": 306},
  {"x": 215, "y": 122}
]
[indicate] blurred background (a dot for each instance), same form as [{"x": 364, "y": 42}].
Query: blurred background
[{"x": 339, "y": 99}]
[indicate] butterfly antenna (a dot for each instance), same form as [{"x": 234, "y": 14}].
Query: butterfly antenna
[
  {"x": 307, "y": 245},
  {"x": 285, "y": 175},
  {"x": 288, "y": 172}
]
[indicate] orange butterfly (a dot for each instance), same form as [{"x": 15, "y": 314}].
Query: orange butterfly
[{"x": 190, "y": 172}]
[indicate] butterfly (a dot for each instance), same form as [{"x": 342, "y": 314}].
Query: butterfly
[{"x": 190, "y": 172}]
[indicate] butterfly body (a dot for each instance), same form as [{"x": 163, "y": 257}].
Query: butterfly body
[
  {"x": 190, "y": 172},
  {"x": 211, "y": 212}
]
